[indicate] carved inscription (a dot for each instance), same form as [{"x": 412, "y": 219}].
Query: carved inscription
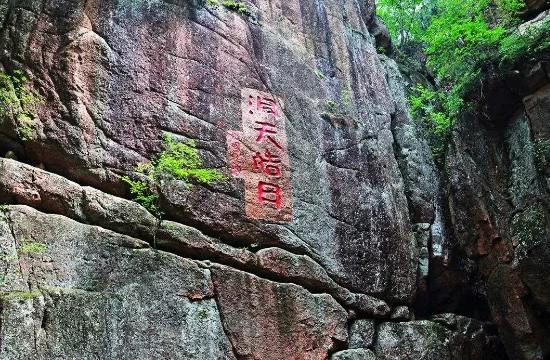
[{"x": 259, "y": 155}]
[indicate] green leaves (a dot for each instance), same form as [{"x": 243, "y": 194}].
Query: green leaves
[
  {"x": 18, "y": 103},
  {"x": 462, "y": 39},
  {"x": 406, "y": 20},
  {"x": 176, "y": 162},
  {"x": 459, "y": 39},
  {"x": 429, "y": 108}
]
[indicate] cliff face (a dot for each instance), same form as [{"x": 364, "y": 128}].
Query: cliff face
[
  {"x": 498, "y": 197},
  {"x": 327, "y": 256}
]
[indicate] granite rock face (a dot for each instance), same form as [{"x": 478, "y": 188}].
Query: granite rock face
[
  {"x": 87, "y": 292},
  {"x": 499, "y": 208},
  {"x": 460, "y": 338},
  {"x": 117, "y": 75},
  {"x": 87, "y": 273}
]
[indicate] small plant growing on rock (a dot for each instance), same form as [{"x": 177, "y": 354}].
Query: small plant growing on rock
[
  {"x": 433, "y": 112},
  {"x": 238, "y": 6},
  {"x": 32, "y": 247},
  {"x": 22, "y": 295},
  {"x": 342, "y": 109},
  {"x": 3, "y": 212},
  {"x": 18, "y": 103},
  {"x": 177, "y": 162}
]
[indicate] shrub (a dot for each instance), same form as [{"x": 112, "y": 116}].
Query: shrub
[
  {"x": 432, "y": 110},
  {"x": 176, "y": 162}
]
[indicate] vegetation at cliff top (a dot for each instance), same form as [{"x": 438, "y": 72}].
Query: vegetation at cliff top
[
  {"x": 18, "y": 103},
  {"x": 463, "y": 40},
  {"x": 176, "y": 162}
]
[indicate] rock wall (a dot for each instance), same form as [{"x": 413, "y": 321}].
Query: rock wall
[
  {"x": 498, "y": 199},
  {"x": 365, "y": 248}
]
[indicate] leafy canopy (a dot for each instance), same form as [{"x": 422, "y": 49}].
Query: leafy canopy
[{"x": 462, "y": 40}]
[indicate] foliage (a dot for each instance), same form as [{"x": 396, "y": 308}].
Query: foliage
[
  {"x": 237, "y": 6},
  {"x": 406, "y": 19},
  {"x": 531, "y": 41},
  {"x": 341, "y": 105},
  {"x": 18, "y": 103},
  {"x": 3, "y": 212},
  {"x": 463, "y": 41},
  {"x": 431, "y": 109},
  {"x": 176, "y": 162},
  {"x": 32, "y": 247}
]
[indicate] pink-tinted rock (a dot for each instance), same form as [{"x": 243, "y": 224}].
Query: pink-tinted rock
[
  {"x": 117, "y": 75},
  {"x": 265, "y": 320}
]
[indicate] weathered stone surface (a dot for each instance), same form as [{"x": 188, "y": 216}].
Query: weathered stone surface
[
  {"x": 442, "y": 276},
  {"x": 24, "y": 184},
  {"x": 361, "y": 334},
  {"x": 401, "y": 313},
  {"x": 499, "y": 211},
  {"x": 535, "y": 6},
  {"x": 268, "y": 320},
  {"x": 189, "y": 242},
  {"x": 381, "y": 34},
  {"x": 531, "y": 229},
  {"x": 537, "y": 106},
  {"x": 368, "y": 305},
  {"x": 300, "y": 269},
  {"x": 462, "y": 338},
  {"x": 522, "y": 330},
  {"x": 525, "y": 181},
  {"x": 114, "y": 94},
  {"x": 422, "y": 340},
  {"x": 116, "y": 75},
  {"x": 94, "y": 293},
  {"x": 413, "y": 153},
  {"x": 49, "y": 192},
  {"x": 354, "y": 354}
]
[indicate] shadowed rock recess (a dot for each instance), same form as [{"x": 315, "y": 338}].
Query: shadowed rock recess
[{"x": 384, "y": 258}]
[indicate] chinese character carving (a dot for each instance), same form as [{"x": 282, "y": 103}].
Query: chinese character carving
[
  {"x": 258, "y": 154},
  {"x": 271, "y": 190},
  {"x": 263, "y": 104},
  {"x": 267, "y": 163},
  {"x": 265, "y": 131}
]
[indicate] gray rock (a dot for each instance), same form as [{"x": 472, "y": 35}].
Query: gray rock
[
  {"x": 361, "y": 334},
  {"x": 24, "y": 184},
  {"x": 272, "y": 321},
  {"x": 401, "y": 313},
  {"x": 419, "y": 340},
  {"x": 354, "y": 354},
  {"x": 93, "y": 293},
  {"x": 115, "y": 95}
]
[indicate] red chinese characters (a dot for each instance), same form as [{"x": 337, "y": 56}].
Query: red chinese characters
[
  {"x": 262, "y": 104},
  {"x": 268, "y": 163},
  {"x": 261, "y": 157},
  {"x": 265, "y": 192},
  {"x": 267, "y": 131}
]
